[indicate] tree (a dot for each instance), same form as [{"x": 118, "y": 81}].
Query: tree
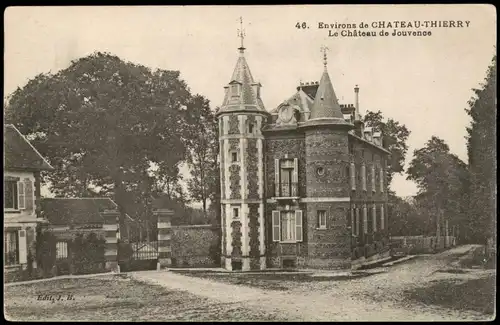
[
  {"x": 481, "y": 148},
  {"x": 441, "y": 178},
  {"x": 395, "y": 136},
  {"x": 203, "y": 148},
  {"x": 101, "y": 122}
]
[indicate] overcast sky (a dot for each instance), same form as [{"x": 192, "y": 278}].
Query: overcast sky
[{"x": 422, "y": 82}]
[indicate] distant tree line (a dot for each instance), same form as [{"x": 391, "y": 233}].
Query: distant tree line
[{"x": 119, "y": 129}]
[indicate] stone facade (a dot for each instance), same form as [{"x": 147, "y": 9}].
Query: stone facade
[{"x": 303, "y": 185}]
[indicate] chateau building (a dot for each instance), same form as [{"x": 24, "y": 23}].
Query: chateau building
[{"x": 302, "y": 185}]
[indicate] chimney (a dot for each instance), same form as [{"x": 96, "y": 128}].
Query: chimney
[
  {"x": 356, "y": 101},
  {"x": 358, "y": 124}
]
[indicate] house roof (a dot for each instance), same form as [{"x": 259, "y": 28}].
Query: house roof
[
  {"x": 66, "y": 211},
  {"x": 326, "y": 104},
  {"x": 248, "y": 99},
  {"x": 19, "y": 153}
]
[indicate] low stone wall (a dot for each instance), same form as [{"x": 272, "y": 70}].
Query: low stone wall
[
  {"x": 195, "y": 246},
  {"x": 421, "y": 244}
]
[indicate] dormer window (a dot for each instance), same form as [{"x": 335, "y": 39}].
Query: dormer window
[{"x": 235, "y": 90}]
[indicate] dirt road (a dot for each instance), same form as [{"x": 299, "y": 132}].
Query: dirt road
[{"x": 377, "y": 297}]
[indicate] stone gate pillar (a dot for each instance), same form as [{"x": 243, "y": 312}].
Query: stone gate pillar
[
  {"x": 164, "y": 217},
  {"x": 110, "y": 227}
]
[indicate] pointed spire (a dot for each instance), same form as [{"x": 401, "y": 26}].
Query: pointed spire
[
  {"x": 241, "y": 35},
  {"x": 242, "y": 92},
  {"x": 326, "y": 104}
]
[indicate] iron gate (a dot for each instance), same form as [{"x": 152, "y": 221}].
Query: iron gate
[{"x": 139, "y": 254}]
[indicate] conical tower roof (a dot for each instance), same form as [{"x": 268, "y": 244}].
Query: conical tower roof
[
  {"x": 326, "y": 104},
  {"x": 242, "y": 92}
]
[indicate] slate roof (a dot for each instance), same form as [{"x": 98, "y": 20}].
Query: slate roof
[
  {"x": 300, "y": 99},
  {"x": 19, "y": 153},
  {"x": 77, "y": 211},
  {"x": 248, "y": 99},
  {"x": 326, "y": 104}
]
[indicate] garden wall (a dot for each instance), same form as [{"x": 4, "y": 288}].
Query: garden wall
[
  {"x": 195, "y": 246},
  {"x": 421, "y": 244}
]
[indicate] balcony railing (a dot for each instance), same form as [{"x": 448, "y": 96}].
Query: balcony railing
[{"x": 285, "y": 190}]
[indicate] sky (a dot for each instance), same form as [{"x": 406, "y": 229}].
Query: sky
[{"x": 423, "y": 82}]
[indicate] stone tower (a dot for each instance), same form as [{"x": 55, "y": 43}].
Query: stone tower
[
  {"x": 241, "y": 118},
  {"x": 327, "y": 163}
]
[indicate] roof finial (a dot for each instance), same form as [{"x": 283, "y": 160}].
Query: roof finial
[
  {"x": 241, "y": 34},
  {"x": 324, "y": 49}
]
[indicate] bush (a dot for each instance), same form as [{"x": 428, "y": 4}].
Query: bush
[
  {"x": 88, "y": 253},
  {"x": 215, "y": 251},
  {"x": 45, "y": 250}
]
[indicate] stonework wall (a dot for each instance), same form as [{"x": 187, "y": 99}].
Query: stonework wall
[
  {"x": 222, "y": 165},
  {"x": 327, "y": 149},
  {"x": 251, "y": 161},
  {"x": 233, "y": 125},
  {"x": 374, "y": 160},
  {"x": 236, "y": 240},
  {"x": 332, "y": 242},
  {"x": 192, "y": 246}
]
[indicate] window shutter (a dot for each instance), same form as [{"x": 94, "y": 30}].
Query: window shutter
[
  {"x": 353, "y": 222},
  {"x": 374, "y": 216},
  {"x": 365, "y": 220},
  {"x": 23, "y": 251},
  {"x": 357, "y": 220},
  {"x": 21, "y": 196},
  {"x": 363, "y": 176},
  {"x": 382, "y": 180},
  {"x": 277, "y": 177},
  {"x": 382, "y": 217},
  {"x": 298, "y": 225},
  {"x": 295, "y": 177},
  {"x": 374, "y": 188},
  {"x": 276, "y": 225},
  {"x": 353, "y": 176},
  {"x": 28, "y": 194}
]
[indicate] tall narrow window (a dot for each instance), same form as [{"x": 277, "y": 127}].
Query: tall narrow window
[
  {"x": 382, "y": 217},
  {"x": 250, "y": 128},
  {"x": 358, "y": 223},
  {"x": 353, "y": 222},
  {"x": 236, "y": 213},
  {"x": 382, "y": 180},
  {"x": 10, "y": 198},
  {"x": 10, "y": 248},
  {"x": 374, "y": 188},
  {"x": 365, "y": 220},
  {"x": 322, "y": 219},
  {"x": 234, "y": 156},
  {"x": 363, "y": 176},
  {"x": 353, "y": 176},
  {"x": 374, "y": 217},
  {"x": 287, "y": 185},
  {"x": 288, "y": 226}
]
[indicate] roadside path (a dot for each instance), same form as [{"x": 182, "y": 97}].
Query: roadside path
[{"x": 352, "y": 300}]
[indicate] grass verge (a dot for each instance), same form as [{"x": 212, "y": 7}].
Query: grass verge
[
  {"x": 475, "y": 294},
  {"x": 115, "y": 298}
]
